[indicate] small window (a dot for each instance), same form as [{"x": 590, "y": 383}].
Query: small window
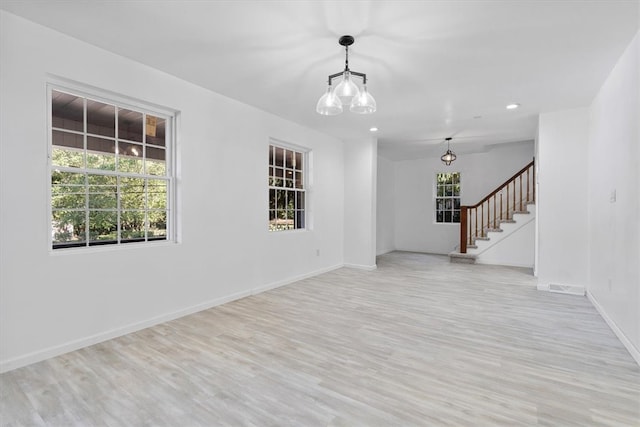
[
  {"x": 110, "y": 172},
  {"x": 287, "y": 183},
  {"x": 447, "y": 197}
]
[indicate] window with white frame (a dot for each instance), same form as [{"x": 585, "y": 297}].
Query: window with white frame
[
  {"x": 111, "y": 174},
  {"x": 287, "y": 180},
  {"x": 447, "y": 197}
]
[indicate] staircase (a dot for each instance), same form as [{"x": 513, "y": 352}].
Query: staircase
[{"x": 500, "y": 223}]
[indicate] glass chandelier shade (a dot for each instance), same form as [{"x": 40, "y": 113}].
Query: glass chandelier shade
[
  {"x": 329, "y": 104},
  {"x": 363, "y": 103},
  {"x": 346, "y": 89},
  {"x": 347, "y": 92}
]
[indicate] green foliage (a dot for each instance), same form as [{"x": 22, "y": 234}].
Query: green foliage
[{"x": 142, "y": 201}]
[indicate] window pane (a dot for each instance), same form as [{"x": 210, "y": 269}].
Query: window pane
[
  {"x": 456, "y": 178},
  {"x": 68, "y": 226},
  {"x": 272, "y": 220},
  {"x": 299, "y": 219},
  {"x": 101, "y": 153},
  {"x": 299, "y": 163},
  {"x": 279, "y": 157},
  {"x": 101, "y": 118},
  {"x": 272, "y": 199},
  {"x": 439, "y": 204},
  {"x": 67, "y": 150},
  {"x": 448, "y": 204},
  {"x": 156, "y": 194},
  {"x": 456, "y": 216},
  {"x": 281, "y": 201},
  {"x": 447, "y": 216},
  {"x": 291, "y": 200},
  {"x": 279, "y": 172},
  {"x": 130, "y": 125},
  {"x": 439, "y": 216},
  {"x": 132, "y": 193},
  {"x": 289, "y": 156},
  {"x": 67, "y": 190},
  {"x": 157, "y": 224},
  {"x": 103, "y": 227},
  {"x": 67, "y": 111},
  {"x": 448, "y": 190},
  {"x": 288, "y": 183},
  {"x": 67, "y": 158},
  {"x": 156, "y": 164},
  {"x": 456, "y": 203},
  {"x": 66, "y": 139},
  {"x": 155, "y": 129},
  {"x": 132, "y": 226},
  {"x": 271, "y": 161},
  {"x": 130, "y": 157},
  {"x": 299, "y": 182},
  {"x": 440, "y": 192},
  {"x": 300, "y": 200},
  {"x": 102, "y": 192}
]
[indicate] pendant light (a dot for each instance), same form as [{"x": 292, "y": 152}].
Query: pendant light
[
  {"x": 347, "y": 92},
  {"x": 448, "y": 157}
]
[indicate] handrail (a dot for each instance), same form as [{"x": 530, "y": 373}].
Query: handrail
[
  {"x": 504, "y": 184},
  {"x": 472, "y": 228}
]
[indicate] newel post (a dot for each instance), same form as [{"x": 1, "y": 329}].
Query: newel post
[{"x": 463, "y": 229}]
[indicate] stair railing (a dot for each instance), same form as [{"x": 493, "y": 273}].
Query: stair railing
[{"x": 499, "y": 206}]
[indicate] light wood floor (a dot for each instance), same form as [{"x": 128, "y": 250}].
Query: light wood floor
[{"x": 419, "y": 342}]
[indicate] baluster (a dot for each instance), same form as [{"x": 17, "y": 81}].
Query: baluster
[
  {"x": 507, "y": 200},
  {"x": 500, "y": 206},
  {"x": 495, "y": 215},
  {"x": 528, "y": 185},
  {"x": 514, "y": 195},
  {"x": 521, "y": 193},
  {"x": 476, "y": 223}
]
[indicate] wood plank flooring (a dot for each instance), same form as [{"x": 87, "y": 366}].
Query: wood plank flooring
[{"x": 418, "y": 342}]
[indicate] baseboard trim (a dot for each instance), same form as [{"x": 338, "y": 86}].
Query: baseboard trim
[
  {"x": 543, "y": 287},
  {"x": 362, "y": 266},
  {"x": 47, "y": 353},
  {"x": 633, "y": 351},
  {"x": 290, "y": 280}
]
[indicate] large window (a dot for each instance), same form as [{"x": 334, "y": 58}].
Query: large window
[
  {"x": 287, "y": 177},
  {"x": 111, "y": 175},
  {"x": 448, "y": 197}
]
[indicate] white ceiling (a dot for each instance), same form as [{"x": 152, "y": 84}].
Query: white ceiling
[{"x": 436, "y": 68}]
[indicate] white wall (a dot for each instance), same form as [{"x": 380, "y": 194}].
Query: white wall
[
  {"x": 516, "y": 249},
  {"x": 360, "y": 176},
  {"x": 481, "y": 173},
  {"x": 562, "y": 198},
  {"x": 613, "y": 230},
  {"x": 51, "y": 303},
  {"x": 385, "y": 221}
]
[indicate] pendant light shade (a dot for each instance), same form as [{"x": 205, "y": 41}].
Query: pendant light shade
[
  {"x": 329, "y": 104},
  {"x": 363, "y": 103},
  {"x": 448, "y": 157},
  {"x": 347, "y": 91}
]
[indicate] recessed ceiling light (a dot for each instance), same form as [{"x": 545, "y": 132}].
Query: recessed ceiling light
[
  {"x": 512, "y": 106},
  {"x": 373, "y": 129},
  {"x": 477, "y": 117}
]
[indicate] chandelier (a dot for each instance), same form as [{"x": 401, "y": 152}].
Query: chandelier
[
  {"x": 346, "y": 92},
  {"x": 448, "y": 157}
]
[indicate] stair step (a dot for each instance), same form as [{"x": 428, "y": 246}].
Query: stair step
[
  {"x": 522, "y": 212},
  {"x": 481, "y": 238},
  {"x": 472, "y": 246},
  {"x": 457, "y": 257},
  {"x": 495, "y": 230},
  {"x": 508, "y": 221}
]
